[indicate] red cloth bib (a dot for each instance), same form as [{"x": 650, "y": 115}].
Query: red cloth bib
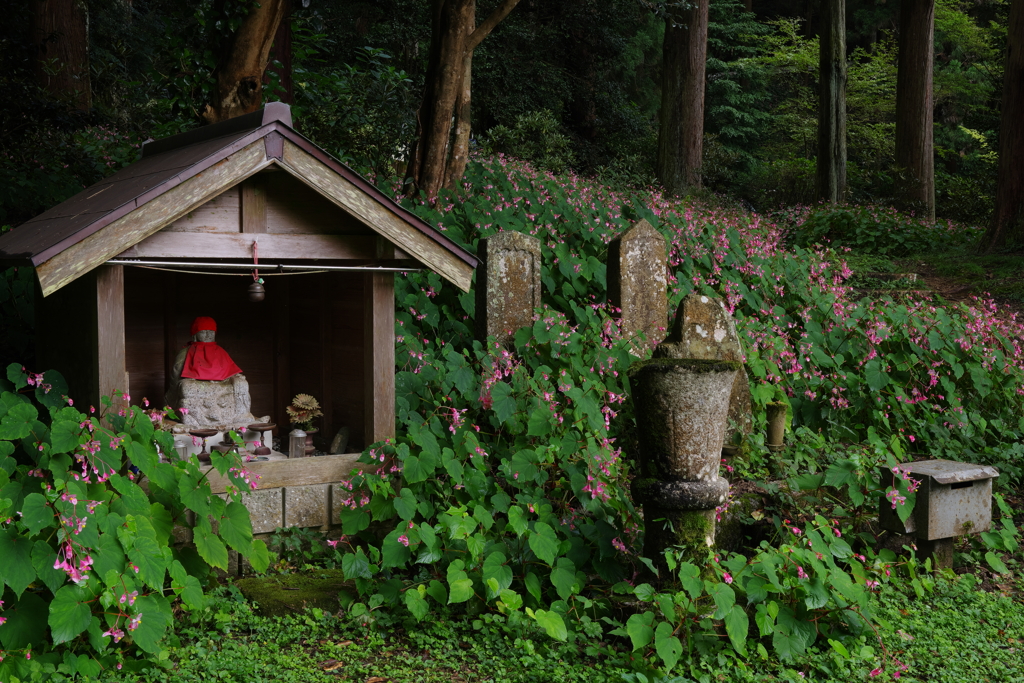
[{"x": 207, "y": 360}]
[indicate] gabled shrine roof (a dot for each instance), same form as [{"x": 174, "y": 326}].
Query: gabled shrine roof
[{"x": 177, "y": 174}]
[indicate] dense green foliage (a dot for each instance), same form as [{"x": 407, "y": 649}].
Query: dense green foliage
[
  {"x": 87, "y": 556},
  {"x": 505, "y": 489}
]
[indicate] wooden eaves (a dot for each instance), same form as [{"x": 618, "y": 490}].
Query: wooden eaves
[{"x": 176, "y": 175}]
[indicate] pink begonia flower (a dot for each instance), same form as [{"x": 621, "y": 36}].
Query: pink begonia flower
[
  {"x": 403, "y": 539},
  {"x": 875, "y": 672},
  {"x": 727, "y": 577}
]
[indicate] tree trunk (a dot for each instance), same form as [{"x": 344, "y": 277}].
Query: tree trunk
[
  {"x": 915, "y": 157},
  {"x": 239, "y": 88},
  {"x": 463, "y": 111},
  {"x": 831, "y": 165},
  {"x": 452, "y": 42},
  {"x": 60, "y": 34},
  {"x": 681, "y": 130},
  {"x": 282, "y": 52},
  {"x": 1007, "y": 228}
]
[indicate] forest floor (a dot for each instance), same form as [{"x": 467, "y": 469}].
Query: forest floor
[{"x": 958, "y": 277}]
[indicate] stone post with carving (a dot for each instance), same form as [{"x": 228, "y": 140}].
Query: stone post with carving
[
  {"x": 508, "y": 284},
  {"x": 637, "y": 283},
  {"x": 703, "y": 329}
]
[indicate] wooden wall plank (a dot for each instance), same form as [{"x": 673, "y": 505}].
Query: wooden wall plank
[
  {"x": 134, "y": 227},
  {"x": 280, "y": 303},
  {"x": 220, "y": 214},
  {"x": 382, "y": 220},
  {"x": 296, "y": 208},
  {"x": 239, "y": 246},
  {"x": 292, "y": 472}
]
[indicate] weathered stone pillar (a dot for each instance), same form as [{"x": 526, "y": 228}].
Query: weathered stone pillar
[
  {"x": 637, "y": 285},
  {"x": 703, "y": 329},
  {"x": 681, "y": 407},
  {"x": 508, "y": 284}
]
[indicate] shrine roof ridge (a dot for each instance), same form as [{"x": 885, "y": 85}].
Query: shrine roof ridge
[{"x": 169, "y": 162}]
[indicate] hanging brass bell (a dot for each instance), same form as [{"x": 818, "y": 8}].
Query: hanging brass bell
[{"x": 256, "y": 292}]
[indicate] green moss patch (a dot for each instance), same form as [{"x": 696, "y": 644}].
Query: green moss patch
[{"x": 282, "y": 594}]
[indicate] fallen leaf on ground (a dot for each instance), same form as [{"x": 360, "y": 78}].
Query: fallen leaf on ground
[
  {"x": 331, "y": 665},
  {"x": 377, "y": 679}
]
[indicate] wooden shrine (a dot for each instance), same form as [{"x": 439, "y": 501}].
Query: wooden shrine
[{"x": 124, "y": 267}]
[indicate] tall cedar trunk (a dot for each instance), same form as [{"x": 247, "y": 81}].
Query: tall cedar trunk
[
  {"x": 681, "y": 130},
  {"x": 60, "y": 34},
  {"x": 452, "y": 42},
  {"x": 463, "y": 112},
  {"x": 239, "y": 88},
  {"x": 1007, "y": 226},
  {"x": 831, "y": 166},
  {"x": 915, "y": 155}
]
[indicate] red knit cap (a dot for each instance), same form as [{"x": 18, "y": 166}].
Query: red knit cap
[{"x": 203, "y": 323}]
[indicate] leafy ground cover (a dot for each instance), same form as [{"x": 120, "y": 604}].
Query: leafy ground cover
[{"x": 957, "y": 633}]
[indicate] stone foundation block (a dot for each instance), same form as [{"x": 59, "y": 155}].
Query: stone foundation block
[
  {"x": 305, "y": 506},
  {"x": 340, "y": 495},
  {"x": 266, "y": 509}
]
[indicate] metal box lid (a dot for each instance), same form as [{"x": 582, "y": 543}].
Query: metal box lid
[{"x": 950, "y": 471}]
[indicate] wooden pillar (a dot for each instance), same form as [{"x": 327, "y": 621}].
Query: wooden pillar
[
  {"x": 254, "y": 204},
  {"x": 110, "y": 354},
  {"x": 379, "y": 351}
]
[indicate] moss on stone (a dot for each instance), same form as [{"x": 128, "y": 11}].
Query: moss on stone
[
  {"x": 694, "y": 364},
  {"x": 281, "y": 594},
  {"x": 693, "y": 528}
]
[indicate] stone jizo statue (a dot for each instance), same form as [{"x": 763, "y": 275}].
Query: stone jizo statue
[{"x": 207, "y": 383}]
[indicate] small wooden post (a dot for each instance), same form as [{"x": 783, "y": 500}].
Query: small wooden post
[
  {"x": 110, "y": 357},
  {"x": 379, "y": 351}
]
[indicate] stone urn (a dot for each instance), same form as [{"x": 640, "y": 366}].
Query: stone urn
[
  {"x": 682, "y": 408},
  {"x": 776, "y": 424}
]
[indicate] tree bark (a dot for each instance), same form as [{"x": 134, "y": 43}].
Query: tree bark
[
  {"x": 1007, "y": 227},
  {"x": 452, "y": 42},
  {"x": 460, "y": 144},
  {"x": 681, "y": 128},
  {"x": 239, "y": 88},
  {"x": 831, "y": 165},
  {"x": 282, "y": 52},
  {"x": 915, "y": 156},
  {"x": 60, "y": 34}
]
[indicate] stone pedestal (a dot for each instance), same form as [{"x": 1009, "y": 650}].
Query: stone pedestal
[
  {"x": 681, "y": 407},
  {"x": 215, "y": 405}
]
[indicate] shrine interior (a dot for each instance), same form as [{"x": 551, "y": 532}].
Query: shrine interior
[{"x": 305, "y": 337}]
